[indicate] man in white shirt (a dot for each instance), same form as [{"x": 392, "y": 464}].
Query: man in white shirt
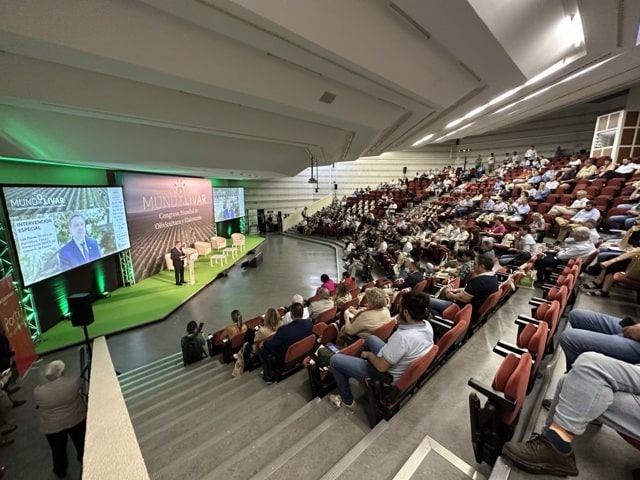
[
  {"x": 531, "y": 153},
  {"x": 580, "y": 201},
  {"x": 586, "y": 214},
  {"x": 297, "y": 298},
  {"x": 625, "y": 170}
]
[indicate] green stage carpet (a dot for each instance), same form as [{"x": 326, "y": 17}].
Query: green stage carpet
[{"x": 150, "y": 300}]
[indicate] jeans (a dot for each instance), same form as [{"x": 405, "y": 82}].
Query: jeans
[
  {"x": 597, "y": 332},
  {"x": 344, "y": 367},
  {"x": 598, "y": 387},
  {"x": 437, "y": 306},
  {"x": 621, "y": 222}
]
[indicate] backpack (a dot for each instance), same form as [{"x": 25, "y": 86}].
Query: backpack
[{"x": 192, "y": 351}]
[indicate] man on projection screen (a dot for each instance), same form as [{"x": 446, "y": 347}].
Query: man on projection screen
[{"x": 80, "y": 249}]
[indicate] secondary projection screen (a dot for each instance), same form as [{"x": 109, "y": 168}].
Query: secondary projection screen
[
  {"x": 228, "y": 203},
  {"x": 56, "y": 229}
]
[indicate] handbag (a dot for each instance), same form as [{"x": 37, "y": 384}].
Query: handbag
[
  {"x": 238, "y": 368},
  {"x": 633, "y": 270}
]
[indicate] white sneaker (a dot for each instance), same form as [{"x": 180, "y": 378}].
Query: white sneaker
[
  {"x": 235, "y": 356},
  {"x": 337, "y": 402}
]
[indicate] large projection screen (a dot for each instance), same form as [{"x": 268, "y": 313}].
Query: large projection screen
[
  {"x": 228, "y": 203},
  {"x": 56, "y": 229},
  {"x": 162, "y": 209}
]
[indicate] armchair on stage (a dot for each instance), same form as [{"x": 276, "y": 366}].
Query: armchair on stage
[
  {"x": 203, "y": 248},
  {"x": 168, "y": 261},
  {"x": 218, "y": 243},
  {"x": 238, "y": 241}
]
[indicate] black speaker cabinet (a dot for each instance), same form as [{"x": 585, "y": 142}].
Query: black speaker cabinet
[{"x": 80, "y": 309}]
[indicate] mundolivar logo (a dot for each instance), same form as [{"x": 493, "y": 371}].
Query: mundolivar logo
[
  {"x": 180, "y": 195},
  {"x": 35, "y": 201}
]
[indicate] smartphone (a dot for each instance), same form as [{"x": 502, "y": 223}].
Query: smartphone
[
  {"x": 200, "y": 326},
  {"x": 6, "y": 372},
  {"x": 627, "y": 322},
  {"x": 332, "y": 347}
]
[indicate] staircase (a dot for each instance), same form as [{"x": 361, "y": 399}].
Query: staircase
[{"x": 201, "y": 423}]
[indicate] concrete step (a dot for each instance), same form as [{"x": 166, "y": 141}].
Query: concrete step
[
  {"x": 126, "y": 377},
  {"x": 184, "y": 387},
  {"x": 161, "y": 377},
  {"x": 235, "y": 441},
  {"x": 188, "y": 404}
]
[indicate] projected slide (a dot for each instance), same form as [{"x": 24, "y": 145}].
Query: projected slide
[
  {"x": 228, "y": 203},
  {"x": 161, "y": 210},
  {"x": 56, "y": 229}
]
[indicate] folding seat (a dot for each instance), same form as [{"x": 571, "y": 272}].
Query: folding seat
[
  {"x": 621, "y": 278},
  {"x": 327, "y": 316},
  {"x": 599, "y": 182},
  {"x": 214, "y": 343},
  {"x": 355, "y": 292},
  {"x": 493, "y": 424},
  {"x": 485, "y": 310},
  {"x": 548, "y": 313},
  {"x": 320, "y": 378},
  {"x": 531, "y": 339},
  {"x": 293, "y": 359},
  {"x": 592, "y": 192},
  {"x": 450, "y": 334},
  {"x": 351, "y": 303},
  {"x": 421, "y": 286},
  {"x": 383, "y": 332},
  {"x": 384, "y": 398}
]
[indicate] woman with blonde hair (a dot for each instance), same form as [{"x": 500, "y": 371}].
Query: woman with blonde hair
[
  {"x": 342, "y": 295},
  {"x": 270, "y": 323},
  {"x": 361, "y": 323}
]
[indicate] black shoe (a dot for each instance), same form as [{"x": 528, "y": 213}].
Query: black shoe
[
  {"x": 183, "y": 283},
  {"x": 179, "y": 284},
  {"x": 17, "y": 403},
  {"x": 546, "y": 403},
  {"x": 538, "y": 456}
]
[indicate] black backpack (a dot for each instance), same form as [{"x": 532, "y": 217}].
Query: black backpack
[{"x": 192, "y": 351}]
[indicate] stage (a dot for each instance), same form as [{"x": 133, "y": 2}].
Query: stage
[{"x": 150, "y": 300}]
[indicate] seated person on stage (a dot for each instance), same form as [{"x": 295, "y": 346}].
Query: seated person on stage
[
  {"x": 192, "y": 331},
  {"x": 579, "y": 203},
  {"x": 581, "y": 248},
  {"x": 475, "y": 292},
  {"x": 360, "y": 323},
  {"x": 413, "y": 339},
  {"x": 589, "y": 212},
  {"x": 598, "y": 387},
  {"x": 597, "y": 332},
  {"x": 322, "y": 305},
  {"x": 275, "y": 348},
  {"x": 236, "y": 328},
  {"x": 297, "y": 298}
]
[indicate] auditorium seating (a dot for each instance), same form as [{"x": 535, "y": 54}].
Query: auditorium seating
[
  {"x": 218, "y": 243},
  {"x": 492, "y": 424},
  {"x": 384, "y": 398},
  {"x": 320, "y": 378},
  {"x": 293, "y": 359}
]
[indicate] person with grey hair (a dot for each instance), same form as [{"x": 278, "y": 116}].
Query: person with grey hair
[
  {"x": 297, "y": 298},
  {"x": 360, "y": 323},
  {"x": 321, "y": 305},
  {"x": 62, "y": 412},
  {"x": 581, "y": 247}
]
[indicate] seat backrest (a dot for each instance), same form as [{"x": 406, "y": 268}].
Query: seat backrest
[
  {"x": 512, "y": 379},
  {"x": 415, "y": 370},
  {"x": 420, "y": 286},
  {"x": 350, "y": 303},
  {"x": 355, "y": 292},
  {"x": 550, "y": 314},
  {"x": 534, "y": 339},
  {"x": 488, "y": 305},
  {"x": 451, "y": 311},
  {"x": 383, "y": 332},
  {"x": 327, "y": 315},
  {"x": 300, "y": 349},
  {"x": 354, "y": 348},
  {"x": 254, "y": 322},
  {"x": 454, "y": 334}
]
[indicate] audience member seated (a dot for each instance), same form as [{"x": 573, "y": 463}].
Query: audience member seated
[
  {"x": 475, "y": 292},
  {"x": 348, "y": 279},
  {"x": 538, "y": 226},
  {"x": 270, "y": 323},
  {"x": 327, "y": 283},
  {"x": 412, "y": 339},
  {"x": 321, "y": 305},
  {"x": 192, "y": 344},
  {"x": 581, "y": 248},
  {"x": 342, "y": 295},
  {"x": 625, "y": 170},
  {"x": 598, "y": 387},
  {"x": 297, "y": 298},
  {"x": 359, "y": 323},
  {"x": 274, "y": 349},
  {"x": 521, "y": 210},
  {"x": 579, "y": 203},
  {"x": 626, "y": 221},
  {"x": 589, "y": 212},
  {"x": 601, "y": 285},
  {"x": 524, "y": 247},
  {"x": 236, "y": 328}
]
